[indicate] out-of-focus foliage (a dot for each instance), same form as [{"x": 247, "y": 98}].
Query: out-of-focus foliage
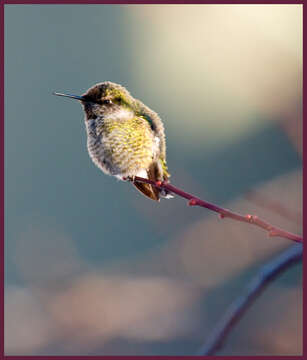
[{"x": 94, "y": 268}]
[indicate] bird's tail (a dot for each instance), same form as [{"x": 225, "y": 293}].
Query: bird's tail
[{"x": 155, "y": 172}]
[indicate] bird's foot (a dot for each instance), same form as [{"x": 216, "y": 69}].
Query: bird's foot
[{"x": 129, "y": 178}]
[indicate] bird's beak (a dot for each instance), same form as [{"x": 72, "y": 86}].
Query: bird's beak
[{"x": 80, "y": 98}]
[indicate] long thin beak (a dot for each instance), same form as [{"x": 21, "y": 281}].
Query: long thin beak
[{"x": 69, "y": 96}]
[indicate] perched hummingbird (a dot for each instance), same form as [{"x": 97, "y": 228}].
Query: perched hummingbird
[{"x": 124, "y": 137}]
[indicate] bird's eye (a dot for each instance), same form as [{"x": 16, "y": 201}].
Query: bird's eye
[{"x": 106, "y": 101}]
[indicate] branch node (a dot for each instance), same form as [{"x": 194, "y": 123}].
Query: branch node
[
  {"x": 158, "y": 183},
  {"x": 192, "y": 202},
  {"x": 273, "y": 233},
  {"x": 250, "y": 218},
  {"x": 221, "y": 216}
]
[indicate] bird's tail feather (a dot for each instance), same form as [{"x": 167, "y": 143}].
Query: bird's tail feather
[{"x": 154, "y": 173}]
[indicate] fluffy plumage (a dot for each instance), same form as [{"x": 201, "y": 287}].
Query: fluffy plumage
[{"x": 125, "y": 137}]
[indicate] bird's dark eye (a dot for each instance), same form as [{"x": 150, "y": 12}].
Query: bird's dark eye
[{"x": 106, "y": 101}]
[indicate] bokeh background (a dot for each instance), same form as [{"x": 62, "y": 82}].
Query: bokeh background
[{"x": 94, "y": 268}]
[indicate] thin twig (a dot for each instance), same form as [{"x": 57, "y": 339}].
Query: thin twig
[
  {"x": 235, "y": 311},
  {"x": 224, "y": 213}
]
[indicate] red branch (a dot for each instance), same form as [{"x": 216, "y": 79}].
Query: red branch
[{"x": 224, "y": 213}]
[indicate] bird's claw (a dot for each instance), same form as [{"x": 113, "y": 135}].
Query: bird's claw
[{"x": 129, "y": 178}]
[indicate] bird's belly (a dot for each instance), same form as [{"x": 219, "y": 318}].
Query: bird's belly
[
  {"x": 99, "y": 157},
  {"x": 120, "y": 154}
]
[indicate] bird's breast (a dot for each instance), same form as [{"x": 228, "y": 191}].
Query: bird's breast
[{"x": 122, "y": 146}]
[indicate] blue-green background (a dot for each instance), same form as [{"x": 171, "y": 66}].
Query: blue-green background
[{"x": 50, "y": 181}]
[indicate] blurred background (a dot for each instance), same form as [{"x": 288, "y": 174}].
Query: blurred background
[{"x": 92, "y": 266}]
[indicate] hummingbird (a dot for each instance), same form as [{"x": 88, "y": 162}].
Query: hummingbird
[{"x": 125, "y": 138}]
